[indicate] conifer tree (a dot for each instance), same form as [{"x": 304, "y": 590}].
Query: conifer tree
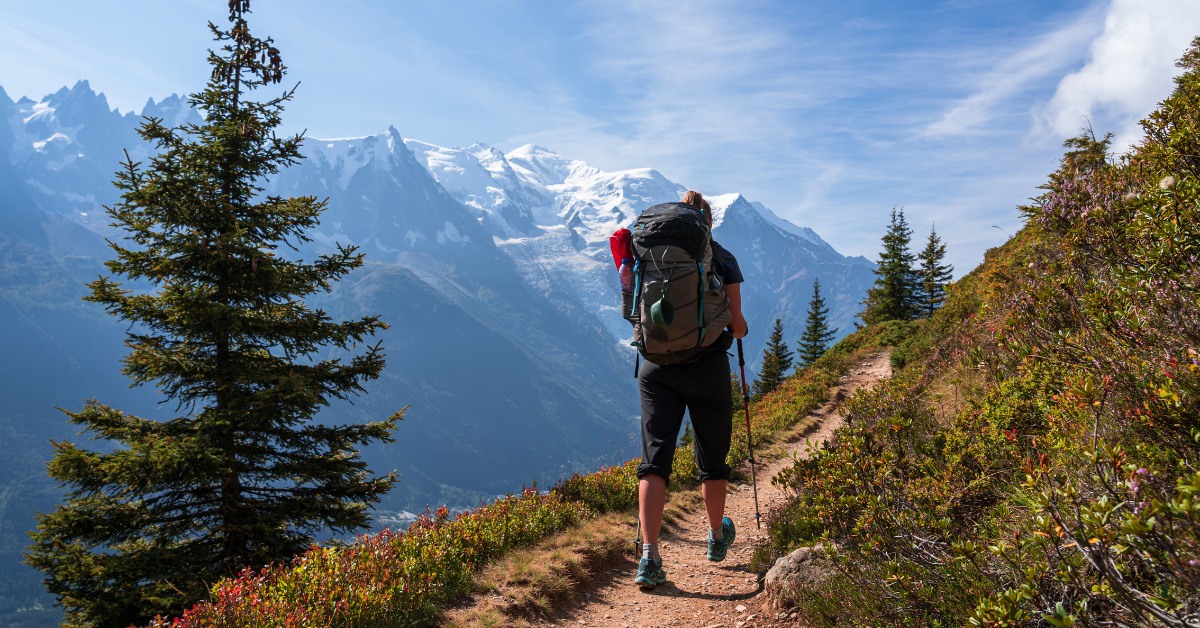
[
  {"x": 777, "y": 361},
  {"x": 243, "y": 477},
  {"x": 735, "y": 390},
  {"x": 934, "y": 274},
  {"x": 817, "y": 333},
  {"x": 894, "y": 295},
  {"x": 688, "y": 437}
]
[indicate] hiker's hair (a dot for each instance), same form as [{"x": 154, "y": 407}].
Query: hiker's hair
[{"x": 695, "y": 199}]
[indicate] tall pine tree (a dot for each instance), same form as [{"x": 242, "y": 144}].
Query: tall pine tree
[
  {"x": 894, "y": 295},
  {"x": 934, "y": 274},
  {"x": 817, "y": 333},
  {"x": 777, "y": 361},
  {"x": 244, "y": 477}
]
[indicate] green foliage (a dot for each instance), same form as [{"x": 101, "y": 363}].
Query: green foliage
[
  {"x": 808, "y": 389},
  {"x": 684, "y": 470},
  {"x": 687, "y": 437},
  {"x": 777, "y": 361},
  {"x": 244, "y": 478},
  {"x": 610, "y": 489},
  {"x": 685, "y": 473},
  {"x": 387, "y": 579},
  {"x": 817, "y": 333},
  {"x": 895, "y": 293},
  {"x": 1062, "y": 489},
  {"x": 916, "y": 340},
  {"x": 400, "y": 579},
  {"x": 736, "y": 391},
  {"x": 933, "y": 274}
]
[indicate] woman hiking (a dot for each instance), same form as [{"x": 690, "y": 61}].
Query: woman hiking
[{"x": 701, "y": 385}]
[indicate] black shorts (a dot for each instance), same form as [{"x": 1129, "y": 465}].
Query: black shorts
[{"x": 703, "y": 388}]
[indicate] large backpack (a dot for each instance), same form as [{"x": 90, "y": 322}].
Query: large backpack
[{"x": 678, "y": 306}]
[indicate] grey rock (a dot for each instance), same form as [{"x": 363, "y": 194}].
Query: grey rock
[{"x": 804, "y": 567}]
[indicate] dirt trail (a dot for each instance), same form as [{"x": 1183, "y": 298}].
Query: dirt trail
[{"x": 698, "y": 592}]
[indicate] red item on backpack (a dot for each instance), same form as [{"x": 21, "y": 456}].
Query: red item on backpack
[{"x": 620, "y": 243}]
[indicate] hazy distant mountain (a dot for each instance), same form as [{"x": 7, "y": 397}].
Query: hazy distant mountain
[
  {"x": 502, "y": 386},
  {"x": 492, "y": 269}
]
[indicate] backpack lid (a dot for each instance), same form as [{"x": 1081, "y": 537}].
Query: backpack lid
[{"x": 673, "y": 224}]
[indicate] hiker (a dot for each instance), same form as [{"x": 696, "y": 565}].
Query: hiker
[{"x": 685, "y": 366}]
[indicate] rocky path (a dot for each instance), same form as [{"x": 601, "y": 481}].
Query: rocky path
[{"x": 698, "y": 592}]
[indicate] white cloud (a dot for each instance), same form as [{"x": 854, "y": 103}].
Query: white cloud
[
  {"x": 1130, "y": 69},
  {"x": 692, "y": 77},
  {"x": 1014, "y": 73}
]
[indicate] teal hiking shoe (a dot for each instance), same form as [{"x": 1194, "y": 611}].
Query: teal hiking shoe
[
  {"x": 650, "y": 574},
  {"x": 717, "y": 549}
]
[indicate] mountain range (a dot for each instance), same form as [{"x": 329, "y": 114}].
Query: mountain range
[{"x": 491, "y": 267}]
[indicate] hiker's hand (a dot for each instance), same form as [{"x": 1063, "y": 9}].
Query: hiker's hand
[{"x": 738, "y": 326}]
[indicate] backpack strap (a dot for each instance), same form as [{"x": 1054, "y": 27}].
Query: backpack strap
[
  {"x": 703, "y": 285},
  {"x": 716, "y": 253},
  {"x": 637, "y": 292},
  {"x": 637, "y": 285},
  {"x": 703, "y": 328}
]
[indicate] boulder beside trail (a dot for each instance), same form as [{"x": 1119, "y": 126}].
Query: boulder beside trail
[{"x": 804, "y": 567}]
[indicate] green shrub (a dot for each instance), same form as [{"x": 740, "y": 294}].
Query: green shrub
[
  {"x": 684, "y": 472},
  {"x": 609, "y": 489},
  {"x": 386, "y": 579}
]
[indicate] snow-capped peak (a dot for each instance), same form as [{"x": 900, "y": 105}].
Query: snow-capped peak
[
  {"x": 347, "y": 155},
  {"x": 544, "y": 168},
  {"x": 789, "y": 227},
  {"x": 720, "y": 203},
  {"x": 173, "y": 110}
]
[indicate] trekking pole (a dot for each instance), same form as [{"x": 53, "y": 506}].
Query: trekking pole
[{"x": 749, "y": 442}]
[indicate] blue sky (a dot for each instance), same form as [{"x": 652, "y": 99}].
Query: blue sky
[{"x": 830, "y": 113}]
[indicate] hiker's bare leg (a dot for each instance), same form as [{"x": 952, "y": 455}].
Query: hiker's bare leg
[
  {"x": 652, "y": 498},
  {"x": 714, "y": 501}
]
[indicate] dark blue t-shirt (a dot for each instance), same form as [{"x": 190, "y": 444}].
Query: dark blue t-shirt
[{"x": 725, "y": 265}]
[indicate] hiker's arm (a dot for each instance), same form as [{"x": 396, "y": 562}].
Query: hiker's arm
[{"x": 738, "y": 325}]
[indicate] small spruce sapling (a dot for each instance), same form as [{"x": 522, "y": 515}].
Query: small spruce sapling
[
  {"x": 777, "y": 361},
  {"x": 817, "y": 334},
  {"x": 934, "y": 274}
]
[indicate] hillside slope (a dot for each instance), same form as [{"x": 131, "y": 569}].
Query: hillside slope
[{"x": 1036, "y": 461}]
